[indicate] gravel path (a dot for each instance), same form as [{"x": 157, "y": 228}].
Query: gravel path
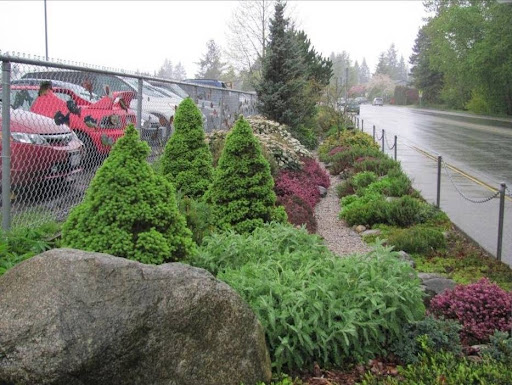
[{"x": 338, "y": 236}]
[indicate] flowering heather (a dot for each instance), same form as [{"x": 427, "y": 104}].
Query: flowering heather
[
  {"x": 317, "y": 175},
  {"x": 297, "y": 183},
  {"x": 481, "y": 308},
  {"x": 299, "y": 212}
]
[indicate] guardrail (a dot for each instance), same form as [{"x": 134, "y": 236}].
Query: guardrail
[
  {"x": 60, "y": 119},
  {"x": 501, "y": 191}
]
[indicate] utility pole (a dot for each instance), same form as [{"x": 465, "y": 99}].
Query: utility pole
[{"x": 45, "y": 30}]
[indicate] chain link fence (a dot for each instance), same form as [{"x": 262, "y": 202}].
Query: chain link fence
[{"x": 59, "y": 122}]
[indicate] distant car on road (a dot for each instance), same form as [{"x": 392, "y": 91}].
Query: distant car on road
[
  {"x": 378, "y": 102},
  {"x": 353, "y": 106}
]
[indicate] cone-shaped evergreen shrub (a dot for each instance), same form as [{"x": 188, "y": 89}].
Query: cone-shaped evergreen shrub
[
  {"x": 187, "y": 161},
  {"x": 242, "y": 192},
  {"x": 128, "y": 210}
]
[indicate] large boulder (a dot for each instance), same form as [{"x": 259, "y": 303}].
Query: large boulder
[{"x": 74, "y": 317}]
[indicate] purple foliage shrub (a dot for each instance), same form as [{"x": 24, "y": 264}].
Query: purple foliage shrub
[
  {"x": 481, "y": 308},
  {"x": 297, "y": 183},
  {"x": 299, "y": 212},
  {"x": 317, "y": 174},
  {"x": 337, "y": 149}
]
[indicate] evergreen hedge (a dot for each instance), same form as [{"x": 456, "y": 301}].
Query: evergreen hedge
[
  {"x": 187, "y": 161},
  {"x": 242, "y": 192},
  {"x": 128, "y": 210}
]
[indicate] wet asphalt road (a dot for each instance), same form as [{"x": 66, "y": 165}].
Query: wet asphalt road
[{"x": 477, "y": 157}]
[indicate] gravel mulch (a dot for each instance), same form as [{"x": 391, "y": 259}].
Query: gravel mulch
[{"x": 338, "y": 235}]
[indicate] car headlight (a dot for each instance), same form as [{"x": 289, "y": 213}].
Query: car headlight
[{"x": 28, "y": 138}]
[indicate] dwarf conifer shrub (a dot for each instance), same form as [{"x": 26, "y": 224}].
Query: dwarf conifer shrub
[
  {"x": 362, "y": 180},
  {"x": 481, "y": 308},
  {"x": 380, "y": 165},
  {"x": 242, "y": 192},
  {"x": 128, "y": 210},
  {"x": 187, "y": 161},
  {"x": 443, "y": 335}
]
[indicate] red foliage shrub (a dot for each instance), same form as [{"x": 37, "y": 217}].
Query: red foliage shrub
[
  {"x": 316, "y": 173},
  {"x": 299, "y": 212},
  {"x": 481, "y": 308},
  {"x": 297, "y": 183}
]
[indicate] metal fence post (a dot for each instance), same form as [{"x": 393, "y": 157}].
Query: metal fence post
[
  {"x": 221, "y": 109},
  {"x": 394, "y": 146},
  {"x": 438, "y": 199},
  {"x": 139, "y": 106},
  {"x": 503, "y": 186},
  {"x": 383, "y": 140},
  {"x": 6, "y": 146},
  {"x": 362, "y": 125},
  {"x": 374, "y": 132}
]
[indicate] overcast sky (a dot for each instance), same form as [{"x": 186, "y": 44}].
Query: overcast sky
[{"x": 140, "y": 35}]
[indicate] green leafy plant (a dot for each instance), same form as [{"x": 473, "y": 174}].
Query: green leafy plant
[
  {"x": 313, "y": 305},
  {"x": 242, "y": 194},
  {"x": 198, "y": 215},
  {"x": 128, "y": 210},
  {"x": 24, "y": 242},
  {"x": 187, "y": 161}
]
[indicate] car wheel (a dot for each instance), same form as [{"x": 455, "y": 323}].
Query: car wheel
[{"x": 90, "y": 157}]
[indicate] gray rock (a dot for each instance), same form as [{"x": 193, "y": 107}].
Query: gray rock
[
  {"x": 323, "y": 191},
  {"x": 434, "y": 284},
  {"x": 360, "y": 228},
  {"x": 407, "y": 258},
  {"x": 74, "y": 317},
  {"x": 371, "y": 232}
]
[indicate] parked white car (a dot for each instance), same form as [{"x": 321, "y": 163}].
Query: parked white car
[{"x": 378, "y": 102}]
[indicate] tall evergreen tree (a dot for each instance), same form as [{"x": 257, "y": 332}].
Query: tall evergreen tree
[
  {"x": 211, "y": 65},
  {"x": 280, "y": 89},
  {"x": 364, "y": 73},
  {"x": 242, "y": 192},
  {"x": 425, "y": 77},
  {"x": 187, "y": 161},
  {"x": 179, "y": 72}
]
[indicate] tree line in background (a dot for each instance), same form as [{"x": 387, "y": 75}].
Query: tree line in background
[{"x": 462, "y": 57}]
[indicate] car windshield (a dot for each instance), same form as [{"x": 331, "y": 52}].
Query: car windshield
[
  {"x": 147, "y": 89},
  {"x": 174, "y": 88},
  {"x": 78, "y": 90}
]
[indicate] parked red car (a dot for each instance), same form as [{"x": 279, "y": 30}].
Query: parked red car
[
  {"x": 41, "y": 150},
  {"x": 98, "y": 123}
]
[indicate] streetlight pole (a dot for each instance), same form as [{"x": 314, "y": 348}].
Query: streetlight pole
[{"x": 45, "y": 30}]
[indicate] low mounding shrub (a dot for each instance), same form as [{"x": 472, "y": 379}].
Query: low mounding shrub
[
  {"x": 420, "y": 239},
  {"x": 345, "y": 139},
  {"x": 368, "y": 210},
  {"x": 447, "y": 369},
  {"x": 380, "y": 164},
  {"x": 345, "y": 159},
  {"x": 481, "y": 308},
  {"x": 407, "y": 211},
  {"x": 395, "y": 184},
  {"x": 443, "y": 335},
  {"x": 315, "y": 306},
  {"x": 297, "y": 183},
  {"x": 198, "y": 215},
  {"x": 128, "y": 210},
  {"x": 299, "y": 212},
  {"x": 362, "y": 180}
]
